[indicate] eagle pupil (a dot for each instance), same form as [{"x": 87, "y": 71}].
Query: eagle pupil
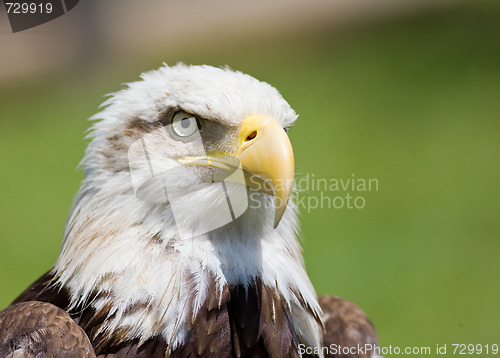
[{"x": 185, "y": 123}]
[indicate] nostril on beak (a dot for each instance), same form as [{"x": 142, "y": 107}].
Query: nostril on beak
[{"x": 251, "y": 136}]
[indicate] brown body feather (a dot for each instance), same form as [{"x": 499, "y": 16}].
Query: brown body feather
[
  {"x": 238, "y": 322},
  {"x": 347, "y": 326},
  {"x": 37, "y": 329}
]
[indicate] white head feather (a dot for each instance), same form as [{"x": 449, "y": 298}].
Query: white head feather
[{"x": 130, "y": 250}]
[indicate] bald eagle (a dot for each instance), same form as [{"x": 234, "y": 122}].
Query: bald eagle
[{"x": 182, "y": 240}]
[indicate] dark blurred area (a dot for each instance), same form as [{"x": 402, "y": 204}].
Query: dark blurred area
[
  {"x": 124, "y": 33},
  {"x": 406, "y": 92}
]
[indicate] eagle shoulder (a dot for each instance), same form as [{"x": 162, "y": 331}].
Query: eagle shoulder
[
  {"x": 346, "y": 325},
  {"x": 40, "y": 329}
]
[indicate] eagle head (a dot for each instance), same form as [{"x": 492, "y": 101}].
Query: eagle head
[{"x": 185, "y": 201}]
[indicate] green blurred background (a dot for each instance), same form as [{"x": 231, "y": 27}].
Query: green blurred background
[{"x": 411, "y": 98}]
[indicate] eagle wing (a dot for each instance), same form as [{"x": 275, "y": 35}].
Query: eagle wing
[
  {"x": 39, "y": 329},
  {"x": 346, "y": 326}
]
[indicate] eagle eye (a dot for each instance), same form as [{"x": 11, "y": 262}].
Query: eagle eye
[{"x": 183, "y": 125}]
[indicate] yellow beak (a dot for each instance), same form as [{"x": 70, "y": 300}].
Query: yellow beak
[{"x": 265, "y": 154}]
